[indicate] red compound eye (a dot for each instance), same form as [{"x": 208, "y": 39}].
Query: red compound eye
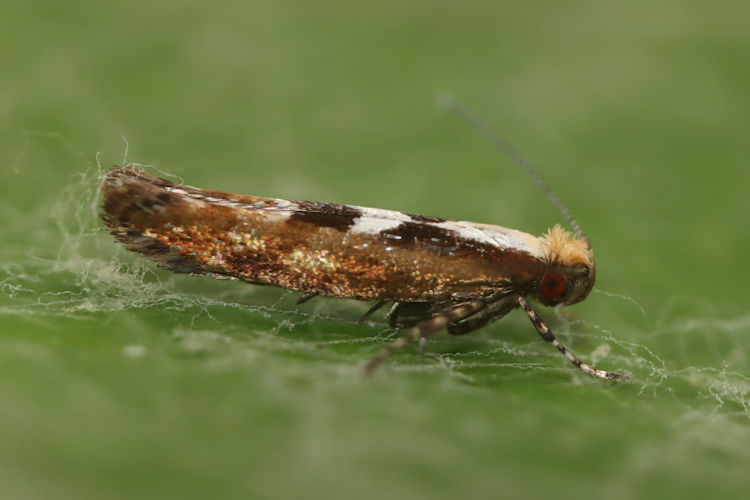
[{"x": 553, "y": 285}]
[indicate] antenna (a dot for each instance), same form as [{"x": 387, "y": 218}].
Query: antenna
[{"x": 449, "y": 103}]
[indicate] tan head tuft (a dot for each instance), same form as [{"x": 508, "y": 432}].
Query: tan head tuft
[{"x": 562, "y": 248}]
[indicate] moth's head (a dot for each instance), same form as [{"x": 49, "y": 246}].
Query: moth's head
[{"x": 570, "y": 272}]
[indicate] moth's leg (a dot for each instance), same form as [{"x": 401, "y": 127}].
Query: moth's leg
[
  {"x": 407, "y": 314},
  {"x": 494, "y": 311},
  {"x": 425, "y": 328},
  {"x": 372, "y": 310},
  {"x": 306, "y": 296},
  {"x": 548, "y": 336},
  {"x": 421, "y": 346}
]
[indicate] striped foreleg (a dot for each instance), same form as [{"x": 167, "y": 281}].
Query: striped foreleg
[
  {"x": 425, "y": 328},
  {"x": 548, "y": 336},
  {"x": 494, "y": 311}
]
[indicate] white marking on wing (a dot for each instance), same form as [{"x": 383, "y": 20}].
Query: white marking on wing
[
  {"x": 379, "y": 213},
  {"x": 278, "y": 209},
  {"x": 498, "y": 236},
  {"x": 374, "y": 220},
  {"x": 276, "y": 216},
  {"x": 285, "y": 204},
  {"x": 368, "y": 225}
]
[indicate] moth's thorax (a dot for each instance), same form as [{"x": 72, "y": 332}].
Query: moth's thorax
[{"x": 570, "y": 270}]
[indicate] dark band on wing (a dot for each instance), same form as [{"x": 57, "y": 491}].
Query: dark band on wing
[
  {"x": 408, "y": 233},
  {"x": 448, "y": 241},
  {"x": 426, "y": 218},
  {"x": 339, "y": 217}
]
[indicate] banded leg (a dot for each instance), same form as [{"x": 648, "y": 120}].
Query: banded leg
[
  {"x": 371, "y": 310},
  {"x": 424, "y": 329},
  {"x": 548, "y": 336},
  {"x": 408, "y": 314},
  {"x": 306, "y": 296},
  {"x": 494, "y": 311}
]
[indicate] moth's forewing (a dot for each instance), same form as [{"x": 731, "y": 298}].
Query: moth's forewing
[{"x": 335, "y": 250}]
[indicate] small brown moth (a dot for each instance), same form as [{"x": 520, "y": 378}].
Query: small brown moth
[{"x": 435, "y": 272}]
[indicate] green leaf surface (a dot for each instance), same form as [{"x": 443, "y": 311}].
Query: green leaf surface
[{"x": 120, "y": 380}]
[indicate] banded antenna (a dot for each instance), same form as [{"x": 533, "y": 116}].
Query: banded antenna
[{"x": 447, "y": 102}]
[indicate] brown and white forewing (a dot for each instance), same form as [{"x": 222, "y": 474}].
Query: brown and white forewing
[{"x": 334, "y": 250}]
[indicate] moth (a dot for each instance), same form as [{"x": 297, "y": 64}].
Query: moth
[{"x": 433, "y": 272}]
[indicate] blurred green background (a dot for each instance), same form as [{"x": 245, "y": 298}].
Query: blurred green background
[{"x": 120, "y": 380}]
